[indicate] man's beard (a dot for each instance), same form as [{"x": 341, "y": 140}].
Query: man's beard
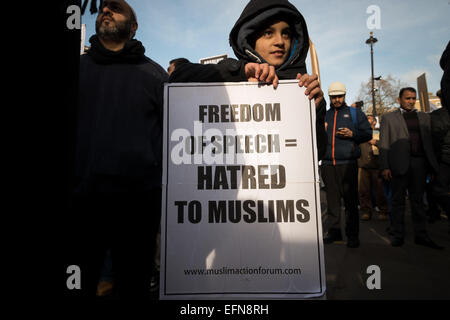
[{"x": 117, "y": 32}]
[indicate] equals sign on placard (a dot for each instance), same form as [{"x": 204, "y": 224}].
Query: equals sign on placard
[{"x": 291, "y": 142}]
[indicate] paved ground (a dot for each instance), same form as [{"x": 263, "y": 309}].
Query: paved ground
[{"x": 407, "y": 272}]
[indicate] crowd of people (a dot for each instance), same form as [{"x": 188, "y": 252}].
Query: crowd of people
[
  {"x": 117, "y": 189},
  {"x": 398, "y": 160}
]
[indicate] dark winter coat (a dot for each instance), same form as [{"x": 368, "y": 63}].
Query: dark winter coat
[
  {"x": 440, "y": 132},
  {"x": 119, "y": 124},
  {"x": 440, "y": 119},
  {"x": 345, "y": 150},
  {"x": 445, "y": 81},
  {"x": 253, "y": 18}
]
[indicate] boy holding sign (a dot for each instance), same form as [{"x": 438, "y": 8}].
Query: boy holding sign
[{"x": 271, "y": 41}]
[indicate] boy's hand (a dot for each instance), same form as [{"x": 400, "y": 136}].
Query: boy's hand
[
  {"x": 261, "y": 72},
  {"x": 313, "y": 90}
]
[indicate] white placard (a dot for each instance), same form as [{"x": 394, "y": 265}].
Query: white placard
[
  {"x": 83, "y": 38},
  {"x": 241, "y": 211},
  {"x": 213, "y": 59}
]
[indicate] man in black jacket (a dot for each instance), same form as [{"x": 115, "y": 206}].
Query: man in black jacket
[
  {"x": 117, "y": 192},
  {"x": 268, "y": 33},
  {"x": 440, "y": 131}
]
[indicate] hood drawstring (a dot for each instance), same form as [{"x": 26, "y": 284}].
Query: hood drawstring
[
  {"x": 251, "y": 54},
  {"x": 293, "y": 49}
]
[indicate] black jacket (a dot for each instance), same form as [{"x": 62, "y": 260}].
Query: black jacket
[
  {"x": 440, "y": 132},
  {"x": 445, "y": 81},
  {"x": 440, "y": 119},
  {"x": 119, "y": 129},
  {"x": 253, "y": 17}
]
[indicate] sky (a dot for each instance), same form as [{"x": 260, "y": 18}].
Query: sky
[{"x": 412, "y": 35}]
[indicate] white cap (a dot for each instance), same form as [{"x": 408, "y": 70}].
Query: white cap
[{"x": 336, "y": 89}]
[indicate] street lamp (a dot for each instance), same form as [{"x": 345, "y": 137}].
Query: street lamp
[{"x": 371, "y": 42}]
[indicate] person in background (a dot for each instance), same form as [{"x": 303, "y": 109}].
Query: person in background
[
  {"x": 174, "y": 63},
  {"x": 347, "y": 127},
  {"x": 369, "y": 178},
  {"x": 406, "y": 157},
  {"x": 440, "y": 130}
]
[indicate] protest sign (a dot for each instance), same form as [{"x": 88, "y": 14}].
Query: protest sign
[{"x": 241, "y": 211}]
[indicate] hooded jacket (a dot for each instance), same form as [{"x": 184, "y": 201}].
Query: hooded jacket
[
  {"x": 119, "y": 121},
  {"x": 253, "y": 18},
  {"x": 445, "y": 81},
  {"x": 440, "y": 131},
  {"x": 440, "y": 119}
]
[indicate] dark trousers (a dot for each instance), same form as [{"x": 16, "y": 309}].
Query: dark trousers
[
  {"x": 369, "y": 182},
  {"x": 441, "y": 187},
  {"x": 125, "y": 222},
  {"x": 341, "y": 181},
  {"x": 414, "y": 181},
  {"x": 433, "y": 211},
  {"x": 387, "y": 190}
]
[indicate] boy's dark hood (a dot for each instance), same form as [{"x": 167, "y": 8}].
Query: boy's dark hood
[
  {"x": 445, "y": 58},
  {"x": 445, "y": 81},
  {"x": 255, "y": 16}
]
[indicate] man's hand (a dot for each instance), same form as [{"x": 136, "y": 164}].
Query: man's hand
[
  {"x": 373, "y": 141},
  {"x": 261, "y": 72},
  {"x": 387, "y": 175},
  {"x": 313, "y": 90},
  {"x": 344, "y": 133}
]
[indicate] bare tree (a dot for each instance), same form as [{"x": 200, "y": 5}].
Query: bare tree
[{"x": 386, "y": 94}]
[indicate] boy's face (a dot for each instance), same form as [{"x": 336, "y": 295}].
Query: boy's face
[{"x": 274, "y": 43}]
